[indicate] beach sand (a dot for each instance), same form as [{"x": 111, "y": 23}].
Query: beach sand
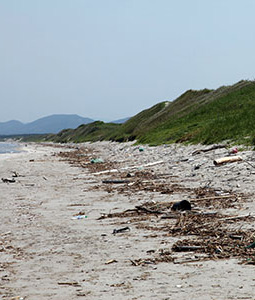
[{"x": 48, "y": 253}]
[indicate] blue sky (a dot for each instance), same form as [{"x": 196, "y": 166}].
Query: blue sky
[{"x": 109, "y": 59}]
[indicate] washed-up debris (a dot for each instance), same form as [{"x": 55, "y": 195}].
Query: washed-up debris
[
  {"x": 79, "y": 217},
  {"x": 182, "y": 205},
  {"x": 202, "y": 230},
  {"x": 148, "y": 210},
  {"x": 227, "y": 159},
  {"x": 8, "y": 180},
  {"x": 131, "y": 167},
  {"x": 119, "y": 181},
  {"x": 16, "y": 174},
  {"x": 70, "y": 283},
  {"x": 96, "y": 160},
  {"x": 214, "y": 147},
  {"x": 179, "y": 248},
  {"x": 111, "y": 261},
  {"x": 233, "y": 151},
  {"x": 121, "y": 230},
  {"x": 251, "y": 246}
]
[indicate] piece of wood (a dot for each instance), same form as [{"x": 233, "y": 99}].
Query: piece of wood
[
  {"x": 147, "y": 210},
  {"x": 187, "y": 248},
  {"x": 111, "y": 261},
  {"x": 227, "y": 159},
  {"x": 213, "y": 198},
  {"x": 116, "y": 181},
  {"x": 214, "y": 147},
  {"x": 71, "y": 283},
  {"x": 131, "y": 167},
  {"x": 236, "y": 218},
  {"x": 120, "y": 230}
]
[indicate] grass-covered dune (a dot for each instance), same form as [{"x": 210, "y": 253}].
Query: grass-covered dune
[{"x": 205, "y": 116}]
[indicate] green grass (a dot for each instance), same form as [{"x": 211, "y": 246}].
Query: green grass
[
  {"x": 229, "y": 117},
  {"x": 206, "y": 116},
  {"x": 96, "y": 131}
]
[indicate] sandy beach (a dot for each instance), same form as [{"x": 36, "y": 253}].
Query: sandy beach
[{"x": 72, "y": 229}]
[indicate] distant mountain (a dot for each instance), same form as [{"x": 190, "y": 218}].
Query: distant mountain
[
  {"x": 120, "y": 121},
  {"x": 49, "y": 124}
]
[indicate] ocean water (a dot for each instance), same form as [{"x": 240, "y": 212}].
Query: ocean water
[{"x": 9, "y": 148}]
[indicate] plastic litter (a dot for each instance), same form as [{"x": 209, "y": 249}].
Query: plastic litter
[
  {"x": 78, "y": 217},
  {"x": 96, "y": 160}
]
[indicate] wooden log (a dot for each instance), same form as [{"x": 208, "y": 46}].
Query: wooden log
[
  {"x": 116, "y": 181},
  {"x": 214, "y": 147},
  {"x": 187, "y": 248},
  {"x": 228, "y": 159},
  {"x": 148, "y": 210},
  {"x": 213, "y": 198}
]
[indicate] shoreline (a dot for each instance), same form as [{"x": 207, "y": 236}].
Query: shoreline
[{"x": 48, "y": 254}]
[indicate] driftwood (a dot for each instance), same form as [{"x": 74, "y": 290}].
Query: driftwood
[
  {"x": 187, "y": 248},
  {"x": 214, "y": 147},
  {"x": 71, "y": 283},
  {"x": 236, "y": 218},
  {"x": 127, "y": 168},
  {"x": 120, "y": 230},
  {"x": 111, "y": 261},
  {"x": 183, "y": 260},
  {"x": 213, "y": 198},
  {"x": 227, "y": 159},
  {"x": 115, "y": 181},
  {"x": 147, "y": 210}
]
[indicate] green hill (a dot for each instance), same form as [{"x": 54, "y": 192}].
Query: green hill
[{"x": 205, "y": 116}]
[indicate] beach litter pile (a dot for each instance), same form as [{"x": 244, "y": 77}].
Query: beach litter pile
[{"x": 198, "y": 221}]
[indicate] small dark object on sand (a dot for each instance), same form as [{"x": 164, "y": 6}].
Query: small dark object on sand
[
  {"x": 8, "y": 180},
  {"x": 182, "y": 205},
  {"x": 120, "y": 230}
]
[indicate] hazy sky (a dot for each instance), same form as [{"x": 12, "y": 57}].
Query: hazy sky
[{"x": 109, "y": 59}]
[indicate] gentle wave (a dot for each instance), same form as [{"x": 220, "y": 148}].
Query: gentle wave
[{"x": 9, "y": 148}]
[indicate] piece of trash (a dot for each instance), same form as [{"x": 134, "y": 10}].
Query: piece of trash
[
  {"x": 96, "y": 160},
  {"x": 141, "y": 149},
  {"x": 120, "y": 230},
  {"x": 111, "y": 261},
  {"x": 78, "y": 217},
  {"x": 218, "y": 250},
  {"x": 181, "y": 205},
  {"x": 233, "y": 151},
  {"x": 227, "y": 159},
  {"x": 251, "y": 246},
  {"x": 8, "y": 180},
  {"x": 236, "y": 237},
  {"x": 179, "y": 286}
]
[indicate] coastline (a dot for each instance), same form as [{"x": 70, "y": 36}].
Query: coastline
[{"x": 47, "y": 254}]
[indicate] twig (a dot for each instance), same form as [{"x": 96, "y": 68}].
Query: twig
[{"x": 147, "y": 210}]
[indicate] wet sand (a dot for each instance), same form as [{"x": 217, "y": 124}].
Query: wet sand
[{"x": 47, "y": 252}]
